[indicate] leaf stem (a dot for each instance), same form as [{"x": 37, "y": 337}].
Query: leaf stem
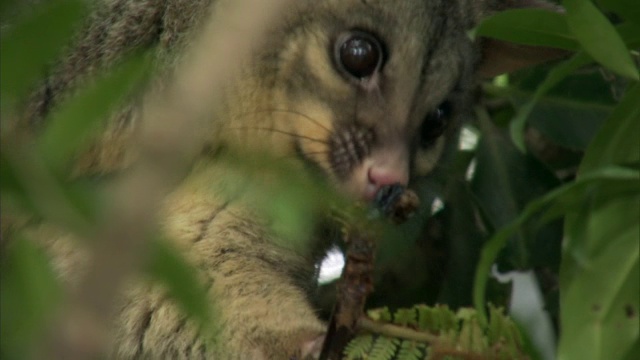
[{"x": 396, "y": 331}]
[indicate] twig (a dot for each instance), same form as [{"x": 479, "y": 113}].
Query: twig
[
  {"x": 394, "y": 203},
  {"x": 356, "y": 283},
  {"x": 395, "y": 331}
]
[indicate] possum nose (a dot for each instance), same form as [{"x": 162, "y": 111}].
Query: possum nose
[{"x": 387, "y": 174}]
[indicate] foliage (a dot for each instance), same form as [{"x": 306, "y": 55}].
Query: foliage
[
  {"x": 34, "y": 180},
  {"x": 555, "y": 189},
  {"x": 599, "y": 267},
  {"x": 425, "y": 332}
]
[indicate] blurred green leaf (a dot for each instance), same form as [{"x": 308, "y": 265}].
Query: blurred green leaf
[
  {"x": 72, "y": 204},
  {"x": 289, "y": 200},
  {"x": 5, "y": 6},
  {"x": 30, "y": 294},
  {"x": 530, "y": 27},
  {"x": 10, "y": 184},
  {"x": 170, "y": 268},
  {"x": 71, "y": 125},
  {"x": 28, "y": 184},
  {"x": 599, "y": 38},
  {"x": 33, "y": 42}
]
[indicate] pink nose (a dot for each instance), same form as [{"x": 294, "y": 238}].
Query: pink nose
[{"x": 380, "y": 176}]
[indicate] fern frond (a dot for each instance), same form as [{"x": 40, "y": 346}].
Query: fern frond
[
  {"x": 411, "y": 350},
  {"x": 380, "y": 314},
  {"x": 358, "y": 348},
  {"x": 436, "y": 319},
  {"x": 384, "y": 348},
  {"x": 436, "y": 333},
  {"x": 471, "y": 337},
  {"x": 405, "y": 317}
]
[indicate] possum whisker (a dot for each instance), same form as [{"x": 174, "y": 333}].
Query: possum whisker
[
  {"x": 285, "y": 111},
  {"x": 294, "y": 135}
]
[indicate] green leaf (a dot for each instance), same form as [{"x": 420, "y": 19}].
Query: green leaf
[
  {"x": 599, "y": 38},
  {"x": 32, "y": 42},
  {"x": 6, "y": 6},
  {"x": 571, "y": 124},
  {"x": 634, "y": 352},
  {"x": 437, "y": 319},
  {"x": 555, "y": 76},
  {"x": 167, "y": 266},
  {"x": 600, "y": 274},
  {"x": 73, "y": 122},
  {"x": 600, "y": 282},
  {"x": 30, "y": 294},
  {"x": 617, "y": 141},
  {"x": 359, "y": 347},
  {"x": 530, "y": 27},
  {"x": 381, "y": 314},
  {"x": 404, "y": 317},
  {"x": 384, "y": 348},
  {"x": 463, "y": 237},
  {"x": 505, "y": 180},
  {"x": 411, "y": 350},
  {"x": 627, "y": 9},
  {"x": 615, "y": 182},
  {"x": 28, "y": 184},
  {"x": 630, "y": 34},
  {"x": 13, "y": 191},
  {"x": 471, "y": 336},
  {"x": 572, "y": 111}
]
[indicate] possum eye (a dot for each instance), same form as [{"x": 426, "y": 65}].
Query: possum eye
[
  {"x": 359, "y": 54},
  {"x": 435, "y": 124}
]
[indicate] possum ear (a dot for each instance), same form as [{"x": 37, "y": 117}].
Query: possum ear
[{"x": 500, "y": 56}]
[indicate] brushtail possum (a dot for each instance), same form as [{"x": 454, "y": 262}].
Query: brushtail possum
[{"x": 364, "y": 92}]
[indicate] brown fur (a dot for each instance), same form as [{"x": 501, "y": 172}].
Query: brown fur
[{"x": 261, "y": 287}]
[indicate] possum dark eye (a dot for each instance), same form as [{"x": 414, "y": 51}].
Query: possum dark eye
[
  {"x": 435, "y": 124},
  {"x": 359, "y": 54}
]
